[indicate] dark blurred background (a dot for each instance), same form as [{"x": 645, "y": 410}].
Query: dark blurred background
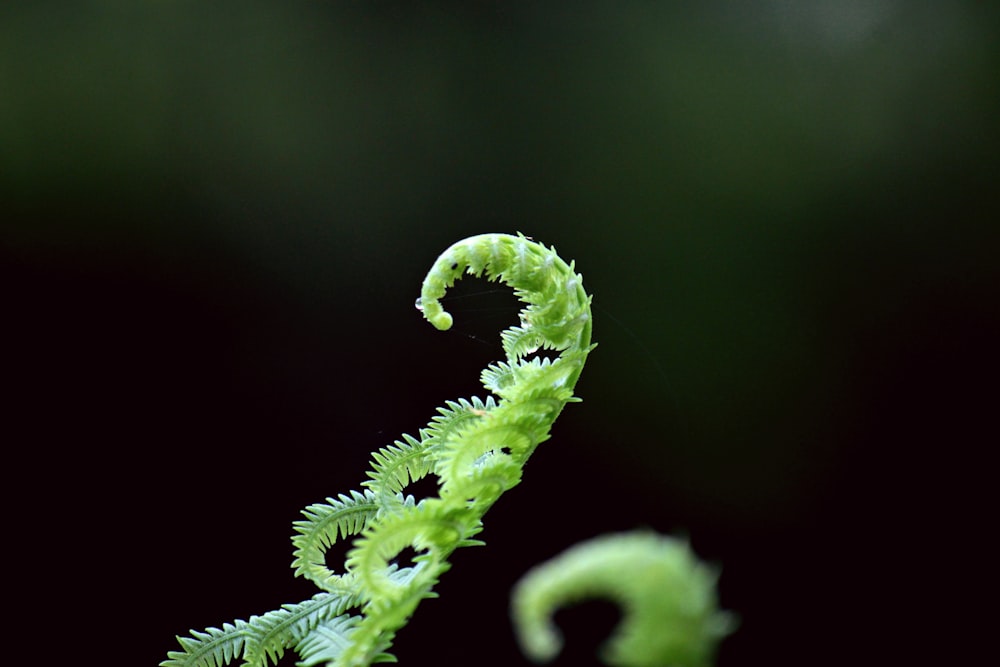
[{"x": 215, "y": 217}]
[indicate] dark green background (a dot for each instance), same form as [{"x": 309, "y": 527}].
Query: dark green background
[{"x": 215, "y": 218}]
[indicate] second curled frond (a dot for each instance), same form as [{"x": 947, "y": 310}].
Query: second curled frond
[
  {"x": 667, "y": 596},
  {"x": 325, "y": 524}
]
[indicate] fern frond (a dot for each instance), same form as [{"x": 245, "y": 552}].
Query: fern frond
[
  {"x": 476, "y": 447},
  {"x": 454, "y": 416},
  {"x": 498, "y": 378},
  {"x": 520, "y": 341},
  {"x": 492, "y": 445},
  {"x": 283, "y": 628},
  {"x": 213, "y": 647},
  {"x": 432, "y": 527},
  {"x": 486, "y": 480},
  {"x": 397, "y": 466},
  {"x": 383, "y": 617},
  {"x": 261, "y": 639},
  {"x": 326, "y": 642},
  {"x": 667, "y": 596},
  {"x": 324, "y": 524}
]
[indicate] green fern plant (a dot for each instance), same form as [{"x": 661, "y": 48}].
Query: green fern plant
[
  {"x": 671, "y": 614},
  {"x": 476, "y": 448}
]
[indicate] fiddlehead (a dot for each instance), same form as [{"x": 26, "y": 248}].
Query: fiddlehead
[
  {"x": 670, "y": 615},
  {"x": 477, "y": 449}
]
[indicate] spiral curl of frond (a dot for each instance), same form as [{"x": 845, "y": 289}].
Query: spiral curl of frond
[
  {"x": 477, "y": 448},
  {"x": 670, "y": 612}
]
